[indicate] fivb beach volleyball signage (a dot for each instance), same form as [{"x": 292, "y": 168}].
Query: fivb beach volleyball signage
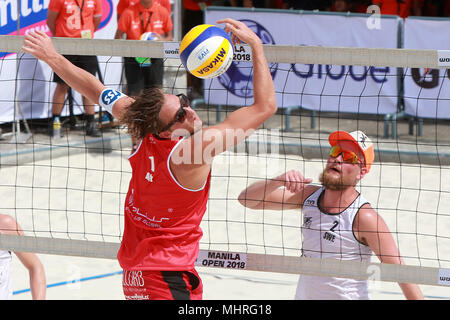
[
  {"x": 427, "y": 91},
  {"x": 34, "y": 77},
  {"x": 354, "y": 89}
]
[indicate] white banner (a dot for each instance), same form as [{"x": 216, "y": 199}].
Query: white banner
[
  {"x": 427, "y": 91},
  {"x": 318, "y": 87}
]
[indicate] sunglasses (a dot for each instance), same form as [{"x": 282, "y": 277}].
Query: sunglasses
[
  {"x": 347, "y": 156},
  {"x": 180, "y": 116}
]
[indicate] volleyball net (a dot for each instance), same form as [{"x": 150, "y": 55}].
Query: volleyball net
[{"x": 68, "y": 194}]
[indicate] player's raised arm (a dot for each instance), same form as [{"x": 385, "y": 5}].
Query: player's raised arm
[{"x": 40, "y": 45}]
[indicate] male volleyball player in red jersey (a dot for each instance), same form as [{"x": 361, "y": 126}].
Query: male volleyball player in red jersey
[
  {"x": 338, "y": 223},
  {"x": 171, "y": 168}
]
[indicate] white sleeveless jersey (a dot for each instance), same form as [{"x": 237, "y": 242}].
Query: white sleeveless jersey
[
  {"x": 330, "y": 236},
  {"x": 6, "y": 288}
]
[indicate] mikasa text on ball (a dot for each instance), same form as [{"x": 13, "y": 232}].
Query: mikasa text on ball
[{"x": 206, "y": 51}]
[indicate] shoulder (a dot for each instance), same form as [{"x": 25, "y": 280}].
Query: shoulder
[
  {"x": 166, "y": 4},
  {"x": 366, "y": 224}
]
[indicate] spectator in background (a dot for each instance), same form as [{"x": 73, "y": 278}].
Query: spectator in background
[
  {"x": 193, "y": 16},
  {"x": 69, "y": 18},
  {"x": 336, "y": 209},
  {"x": 144, "y": 16},
  {"x": 157, "y": 251},
  {"x": 38, "y": 286},
  {"x": 431, "y": 8},
  {"x": 321, "y": 5}
]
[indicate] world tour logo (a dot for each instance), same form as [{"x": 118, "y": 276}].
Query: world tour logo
[
  {"x": 238, "y": 78},
  {"x": 30, "y": 15}
]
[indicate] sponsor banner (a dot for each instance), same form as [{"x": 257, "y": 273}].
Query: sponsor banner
[
  {"x": 353, "y": 89},
  {"x": 427, "y": 91},
  {"x": 33, "y": 85},
  {"x": 221, "y": 259}
]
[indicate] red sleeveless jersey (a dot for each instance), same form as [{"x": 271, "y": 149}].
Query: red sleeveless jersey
[{"x": 162, "y": 218}]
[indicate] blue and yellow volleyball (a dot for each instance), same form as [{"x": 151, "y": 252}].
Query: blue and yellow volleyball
[
  {"x": 206, "y": 51},
  {"x": 146, "y": 36}
]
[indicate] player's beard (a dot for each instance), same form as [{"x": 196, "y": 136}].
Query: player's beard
[{"x": 337, "y": 183}]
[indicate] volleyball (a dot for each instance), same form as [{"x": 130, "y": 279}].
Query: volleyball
[
  {"x": 206, "y": 51},
  {"x": 146, "y": 36}
]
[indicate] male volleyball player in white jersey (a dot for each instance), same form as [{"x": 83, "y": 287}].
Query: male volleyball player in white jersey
[
  {"x": 8, "y": 225},
  {"x": 167, "y": 197},
  {"x": 338, "y": 223}
]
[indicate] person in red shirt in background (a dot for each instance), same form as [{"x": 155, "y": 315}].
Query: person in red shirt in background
[
  {"x": 144, "y": 16},
  {"x": 401, "y": 8},
  {"x": 74, "y": 19},
  {"x": 171, "y": 169}
]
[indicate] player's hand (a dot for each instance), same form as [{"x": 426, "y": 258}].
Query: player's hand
[
  {"x": 293, "y": 181},
  {"x": 39, "y": 44},
  {"x": 240, "y": 32}
]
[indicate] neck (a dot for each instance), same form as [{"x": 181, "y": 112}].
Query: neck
[{"x": 335, "y": 201}]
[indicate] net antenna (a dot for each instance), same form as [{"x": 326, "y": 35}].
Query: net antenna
[{"x": 66, "y": 240}]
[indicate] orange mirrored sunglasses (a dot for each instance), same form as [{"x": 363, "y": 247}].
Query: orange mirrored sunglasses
[{"x": 347, "y": 156}]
